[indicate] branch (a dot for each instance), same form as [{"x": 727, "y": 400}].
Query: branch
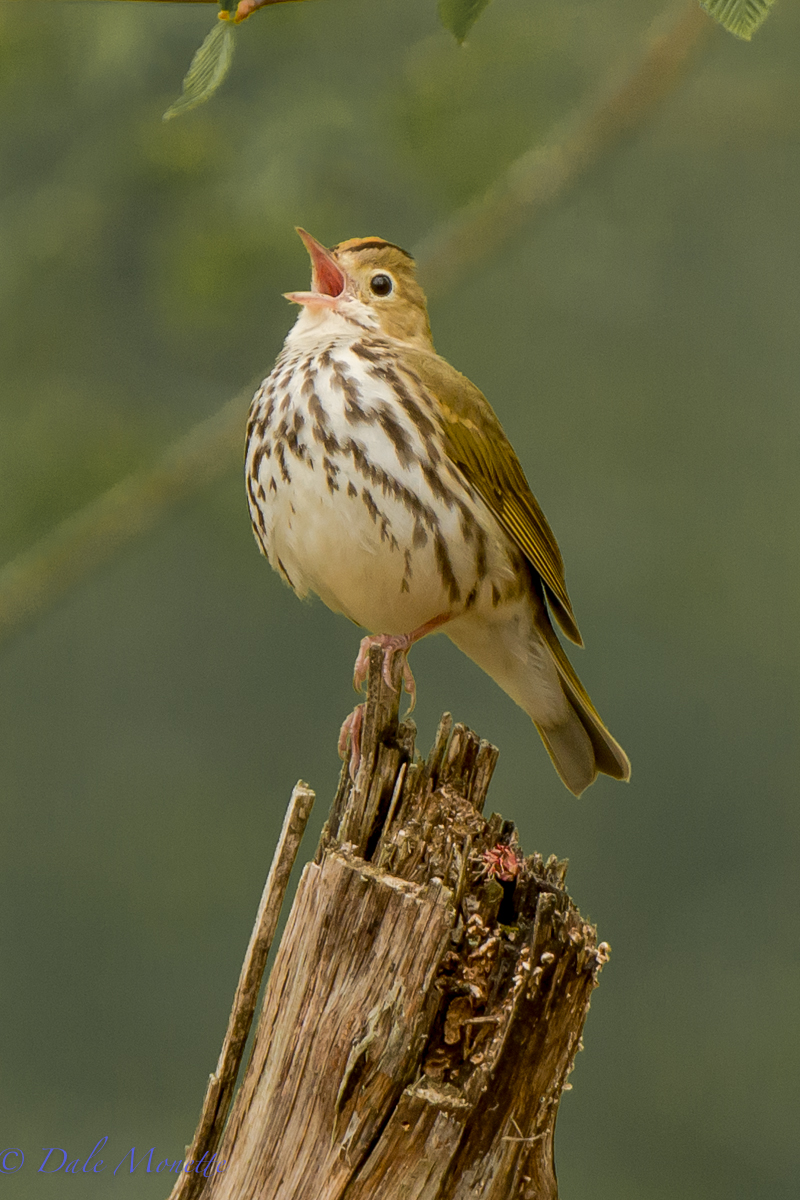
[
  {"x": 544, "y": 174},
  {"x": 221, "y": 1084},
  {"x": 37, "y": 578}
]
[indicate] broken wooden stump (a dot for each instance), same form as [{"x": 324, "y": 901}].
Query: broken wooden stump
[{"x": 426, "y": 1002}]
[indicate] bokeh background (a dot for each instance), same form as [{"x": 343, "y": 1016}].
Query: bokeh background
[{"x": 640, "y": 343}]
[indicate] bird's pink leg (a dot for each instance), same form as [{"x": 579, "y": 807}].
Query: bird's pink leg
[
  {"x": 392, "y": 644},
  {"x": 351, "y": 733}
]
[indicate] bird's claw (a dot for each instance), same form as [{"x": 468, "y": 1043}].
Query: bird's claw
[
  {"x": 361, "y": 667},
  {"x": 390, "y": 645},
  {"x": 350, "y": 734},
  {"x": 411, "y": 688}
]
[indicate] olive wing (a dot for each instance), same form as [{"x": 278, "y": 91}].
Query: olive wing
[{"x": 476, "y": 442}]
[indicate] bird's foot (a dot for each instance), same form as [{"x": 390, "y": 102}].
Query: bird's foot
[
  {"x": 350, "y": 734},
  {"x": 390, "y": 645}
]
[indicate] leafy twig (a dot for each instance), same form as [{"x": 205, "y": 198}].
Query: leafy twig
[
  {"x": 208, "y": 68},
  {"x": 741, "y": 17}
]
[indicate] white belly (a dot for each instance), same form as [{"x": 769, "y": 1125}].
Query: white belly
[
  {"x": 357, "y": 553},
  {"x": 345, "y": 505}
]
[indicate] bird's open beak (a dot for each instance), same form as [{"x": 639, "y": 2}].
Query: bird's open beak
[{"x": 329, "y": 284}]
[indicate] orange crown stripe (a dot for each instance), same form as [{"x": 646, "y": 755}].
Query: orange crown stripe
[{"x": 368, "y": 243}]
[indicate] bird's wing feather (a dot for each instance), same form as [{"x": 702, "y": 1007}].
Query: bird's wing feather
[{"x": 475, "y": 441}]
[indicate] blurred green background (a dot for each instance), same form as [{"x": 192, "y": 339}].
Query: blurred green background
[{"x": 641, "y": 347}]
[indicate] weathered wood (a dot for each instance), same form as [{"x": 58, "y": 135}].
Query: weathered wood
[
  {"x": 221, "y": 1084},
  {"x": 427, "y": 999}
]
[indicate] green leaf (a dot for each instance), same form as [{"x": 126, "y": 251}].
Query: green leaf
[
  {"x": 460, "y": 15},
  {"x": 208, "y": 68},
  {"x": 741, "y": 17}
]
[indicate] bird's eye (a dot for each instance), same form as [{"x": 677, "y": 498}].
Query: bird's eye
[{"x": 381, "y": 284}]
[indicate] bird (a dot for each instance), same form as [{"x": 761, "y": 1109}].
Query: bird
[{"x": 380, "y": 479}]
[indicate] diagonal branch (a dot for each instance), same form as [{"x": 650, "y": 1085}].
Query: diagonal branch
[
  {"x": 37, "y": 578},
  {"x": 533, "y": 183}
]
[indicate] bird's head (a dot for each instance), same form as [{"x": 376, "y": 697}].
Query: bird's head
[{"x": 371, "y": 272}]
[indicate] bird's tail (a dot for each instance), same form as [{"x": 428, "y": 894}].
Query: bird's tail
[
  {"x": 579, "y": 743},
  {"x": 523, "y": 655}
]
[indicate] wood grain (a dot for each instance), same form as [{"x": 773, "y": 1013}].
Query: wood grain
[{"x": 427, "y": 1000}]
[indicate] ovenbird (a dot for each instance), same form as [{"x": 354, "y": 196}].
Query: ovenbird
[{"x": 379, "y": 478}]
